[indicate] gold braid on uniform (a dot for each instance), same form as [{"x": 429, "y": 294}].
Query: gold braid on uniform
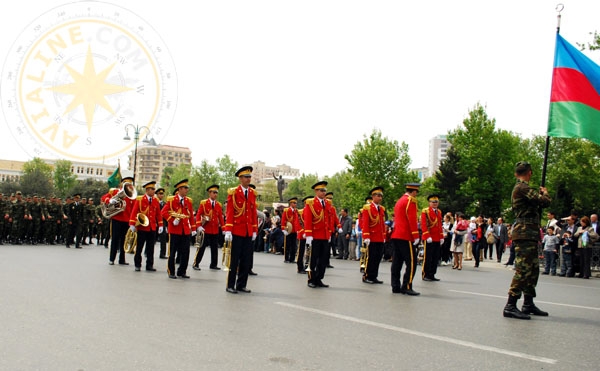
[
  {"x": 429, "y": 223},
  {"x": 318, "y": 218},
  {"x": 373, "y": 220},
  {"x": 237, "y": 211}
]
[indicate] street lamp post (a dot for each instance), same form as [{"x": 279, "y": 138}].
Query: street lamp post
[{"x": 137, "y": 131}]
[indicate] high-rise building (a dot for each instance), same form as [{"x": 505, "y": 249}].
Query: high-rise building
[
  {"x": 438, "y": 146},
  {"x": 152, "y": 159}
]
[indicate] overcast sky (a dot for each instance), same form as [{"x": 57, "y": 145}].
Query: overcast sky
[{"x": 301, "y": 82}]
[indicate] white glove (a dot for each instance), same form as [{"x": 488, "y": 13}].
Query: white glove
[
  {"x": 193, "y": 233},
  {"x": 285, "y": 233},
  {"x": 429, "y": 240},
  {"x": 340, "y": 230},
  {"x": 200, "y": 229},
  {"x": 367, "y": 241},
  {"x": 160, "y": 230},
  {"x": 304, "y": 235},
  {"x": 228, "y": 236},
  {"x": 176, "y": 222},
  {"x": 416, "y": 242},
  {"x": 132, "y": 228},
  {"x": 309, "y": 240},
  {"x": 112, "y": 201},
  {"x": 253, "y": 236}
]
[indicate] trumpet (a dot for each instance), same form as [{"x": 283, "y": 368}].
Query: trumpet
[
  {"x": 177, "y": 215},
  {"x": 131, "y": 237},
  {"x": 364, "y": 256},
  {"x": 226, "y": 260},
  {"x": 307, "y": 254}
]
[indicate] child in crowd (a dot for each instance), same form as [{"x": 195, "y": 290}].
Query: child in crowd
[
  {"x": 566, "y": 241},
  {"x": 551, "y": 243}
]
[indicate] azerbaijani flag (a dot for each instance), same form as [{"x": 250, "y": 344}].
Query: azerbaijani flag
[
  {"x": 115, "y": 179},
  {"x": 575, "y": 97}
]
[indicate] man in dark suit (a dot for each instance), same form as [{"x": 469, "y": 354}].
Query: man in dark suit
[{"x": 501, "y": 234}]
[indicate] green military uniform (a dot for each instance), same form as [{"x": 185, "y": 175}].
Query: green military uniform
[
  {"x": 35, "y": 210},
  {"x": 75, "y": 214},
  {"x": 18, "y": 212},
  {"x": 103, "y": 227}
]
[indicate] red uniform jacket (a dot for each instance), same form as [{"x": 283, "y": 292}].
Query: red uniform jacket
[
  {"x": 372, "y": 222},
  {"x": 241, "y": 218},
  {"x": 186, "y": 225},
  {"x": 123, "y": 216},
  {"x": 405, "y": 219},
  {"x": 301, "y": 232},
  {"x": 215, "y": 216},
  {"x": 317, "y": 220},
  {"x": 431, "y": 224},
  {"x": 334, "y": 222},
  {"x": 290, "y": 215},
  {"x": 152, "y": 211}
]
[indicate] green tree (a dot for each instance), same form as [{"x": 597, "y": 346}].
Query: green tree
[
  {"x": 447, "y": 182},
  {"x": 64, "y": 179},
  {"x": 301, "y": 187},
  {"x": 378, "y": 161},
  {"x": 37, "y": 178}
]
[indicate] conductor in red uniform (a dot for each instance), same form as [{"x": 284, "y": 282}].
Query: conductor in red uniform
[
  {"x": 373, "y": 231},
  {"x": 148, "y": 205},
  {"x": 179, "y": 213},
  {"x": 209, "y": 219},
  {"x": 405, "y": 239},
  {"x": 317, "y": 227},
  {"x": 119, "y": 223},
  {"x": 241, "y": 228},
  {"x": 433, "y": 233}
]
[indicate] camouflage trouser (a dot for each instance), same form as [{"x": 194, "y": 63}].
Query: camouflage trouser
[{"x": 527, "y": 269}]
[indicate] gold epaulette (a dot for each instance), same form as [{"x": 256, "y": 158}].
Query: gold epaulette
[
  {"x": 366, "y": 206},
  {"x": 310, "y": 201},
  {"x": 231, "y": 191},
  {"x": 170, "y": 198},
  {"x": 203, "y": 202},
  {"x": 382, "y": 208},
  {"x": 139, "y": 198},
  {"x": 425, "y": 210},
  {"x": 191, "y": 200}
]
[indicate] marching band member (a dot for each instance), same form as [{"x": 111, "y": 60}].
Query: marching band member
[
  {"x": 290, "y": 215},
  {"x": 333, "y": 229},
  {"x": 119, "y": 223},
  {"x": 317, "y": 226},
  {"x": 373, "y": 231},
  {"x": 149, "y": 206},
  {"x": 302, "y": 239},
  {"x": 241, "y": 229},
  {"x": 179, "y": 213},
  {"x": 433, "y": 233},
  {"x": 209, "y": 218}
]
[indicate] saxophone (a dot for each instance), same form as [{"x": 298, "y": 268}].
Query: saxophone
[{"x": 226, "y": 260}]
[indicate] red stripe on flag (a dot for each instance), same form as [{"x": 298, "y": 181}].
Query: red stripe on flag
[{"x": 569, "y": 85}]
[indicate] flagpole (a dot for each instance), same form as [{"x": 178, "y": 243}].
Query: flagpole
[{"x": 559, "y": 8}]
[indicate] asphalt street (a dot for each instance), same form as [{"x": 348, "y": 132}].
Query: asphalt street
[{"x": 67, "y": 309}]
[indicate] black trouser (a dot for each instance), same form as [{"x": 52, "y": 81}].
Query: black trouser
[
  {"x": 586, "y": 262},
  {"x": 290, "y": 247},
  {"x": 147, "y": 238},
  {"x": 342, "y": 246},
  {"x": 117, "y": 242},
  {"x": 211, "y": 240},
  {"x": 300, "y": 257},
  {"x": 405, "y": 253},
  {"x": 163, "y": 237},
  {"x": 179, "y": 245},
  {"x": 74, "y": 234},
  {"x": 373, "y": 259},
  {"x": 445, "y": 253},
  {"x": 499, "y": 250},
  {"x": 476, "y": 252},
  {"x": 241, "y": 253},
  {"x": 319, "y": 259},
  {"x": 431, "y": 256}
]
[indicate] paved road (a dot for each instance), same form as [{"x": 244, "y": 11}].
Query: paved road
[{"x": 67, "y": 309}]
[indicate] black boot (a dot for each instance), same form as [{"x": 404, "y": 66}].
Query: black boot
[
  {"x": 511, "y": 310},
  {"x": 530, "y": 308}
]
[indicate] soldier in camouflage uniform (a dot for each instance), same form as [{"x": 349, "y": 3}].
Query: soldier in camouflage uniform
[
  {"x": 3, "y": 218},
  {"x": 35, "y": 210},
  {"x": 526, "y": 204},
  {"x": 75, "y": 214},
  {"x": 50, "y": 225},
  {"x": 18, "y": 215},
  {"x": 64, "y": 227},
  {"x": 7, "y": 218}
]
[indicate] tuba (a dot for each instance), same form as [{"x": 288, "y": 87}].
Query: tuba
[
  {"x": 112, "y": 209},
  {"x": 131, "y": 237}
]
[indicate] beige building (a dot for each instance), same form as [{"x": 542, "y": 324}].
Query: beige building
[
  {"x": 261, "y": 172},
  {"x": 11, "y": 171},
  {"x": 152, "y": 159}
]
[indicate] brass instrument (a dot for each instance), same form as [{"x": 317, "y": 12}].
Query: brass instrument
[
  {"x": 200, "y": 236},
  {"x": 307, "y": 254},
  {"x": 226, "y": 261},
  {"x": 131, "y": 236},
  {"x": 364, "y": 254},
  {"x": 177, "y": 215},
  {"x": 112, "y": 209},
  {"x": 289, "y": 227}
]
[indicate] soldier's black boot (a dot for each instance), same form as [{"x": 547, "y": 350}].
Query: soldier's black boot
[
  {"x": 530, "y": 308},
  {"x": 511, "y": 310}
]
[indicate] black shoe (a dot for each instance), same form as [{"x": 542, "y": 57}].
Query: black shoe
[
  {"x": 434, "y": 279},
  {"x": 151, "y": 269},
  {"x": 330, "y": 266},
  {"x": 398, "y": 290},
  {"x": 244, "y": 290},
  {"x": 84, "y": 243},
  {"x": 511, "y": 311},
  {"x": 427, "y": 279},
  {"x": 321, "y": 284},
  {"x": 123, "y": 263},
  {"x": 68, "y": 246},
  {"x": 301, "y": 272},
  {"x": 173, "y": 276},
  {"x": 215, "y": 268},
  {"x": 411, "y": 292},
  {"x": 183, "y": 276},
  {"x": 137, "y": 269},
  {"x": 77, "y": 247},
  {"x": 367, "y": 280},
  {"x": 545, "y": 273},
  {"x": 252, "y": 273},
  {"x": 196, "y": 268},
  {"x": 339, "y": 258},
  {"x": 161, "y": 257},
  {"x": 532, "y": 309},
  {"x": 375, "y": 280},
  {"x": 312, "y": 285},
  {"x": 231, "y": 290},
  {"x": 111, "y": 263}
]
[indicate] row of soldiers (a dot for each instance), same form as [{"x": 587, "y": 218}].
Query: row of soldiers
[{"x": 40, "y": 220}]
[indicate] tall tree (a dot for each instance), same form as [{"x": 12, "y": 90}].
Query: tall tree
[
  {"x": 37, "y": 177},
  {"x": 447, "y": 182},
  {"x": 64, "y": 179}
]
